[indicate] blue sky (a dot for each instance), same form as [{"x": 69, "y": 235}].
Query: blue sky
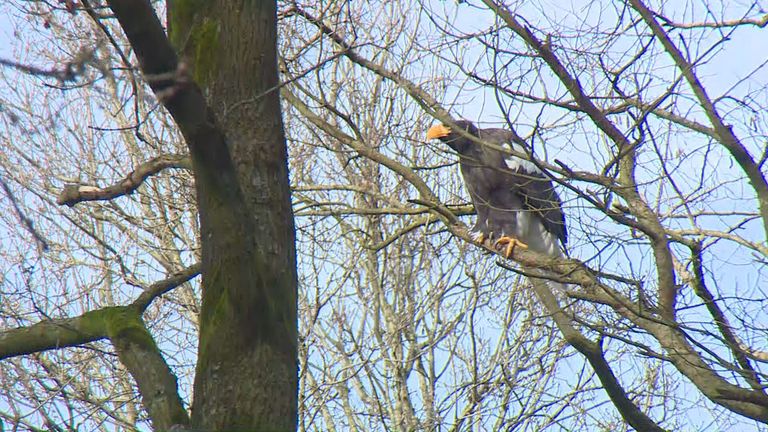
[{"x": 745, "y": 52}]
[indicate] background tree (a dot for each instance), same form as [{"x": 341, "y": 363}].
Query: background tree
[
  {"x": 649, "y": 116},
  {"x": 650, "y": 201},
  {"x": 246, "y": 366}
]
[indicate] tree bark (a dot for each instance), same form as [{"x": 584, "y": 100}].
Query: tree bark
[
  {"x": 246, "y": 376},
  {"x": 247, "y": 365}
]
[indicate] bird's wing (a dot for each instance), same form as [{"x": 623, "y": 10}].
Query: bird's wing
[
  {"x": 532, "y": 185},
  {"x": 538, "y": 192}
]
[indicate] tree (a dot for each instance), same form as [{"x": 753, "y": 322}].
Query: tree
[
  {"x": 641, "y": 192},
  {"x": 246, "y": 367},
  {"x": 650, "y": 118}
]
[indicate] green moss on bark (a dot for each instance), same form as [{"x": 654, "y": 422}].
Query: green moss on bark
[
  {"x": 220, "y": 312},
  {"x": 206, "y": 47},
  {"x": 125, "y": 323},
  {"x": 181, "y": 18},
  {"x": 196, "y": 37}
]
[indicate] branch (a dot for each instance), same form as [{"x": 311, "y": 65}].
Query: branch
[
  {"x": 761, "y": 356},
  {"x": 133, "y": 343},
  {"x": 427, "y": 102},
  {"x": 70, "y": 72},
  {"x": 174, "y": 87},
  {"x": 698, "y": 283},
  {"x": 426, "y": 193},
  {"x": 622, "y": 106},
  {"x": 161, "y": 287},
  {"x": 674, "y": 341},
  {"x": 593, "y": 352},
  {"x": 54, "y": 334},
  {"x": 73, "y": 194},
  {"x": 725, "y": 134},
  {"x": 758, "y": 22},
  {"x": 28, "y": 223},
  {"x": 140, "y": 355},
  {"x": 647, "y": 218},
  {"x": 88, "y": 327},
  {"x": 757, "y": 247}
]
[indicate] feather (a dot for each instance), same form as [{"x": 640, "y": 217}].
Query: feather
[
  {"x": 542, "y": 241},
  {"x": 516, "y": 163},
  {"x": 512, "y": 196}
]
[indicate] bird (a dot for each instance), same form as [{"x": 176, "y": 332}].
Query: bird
[{"x": 516, "y": 203}]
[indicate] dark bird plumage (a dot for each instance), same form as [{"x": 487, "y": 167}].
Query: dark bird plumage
[{"x": 513, "y": 198}]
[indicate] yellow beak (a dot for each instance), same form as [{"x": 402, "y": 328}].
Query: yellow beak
[{"x": 438, "y": 131}]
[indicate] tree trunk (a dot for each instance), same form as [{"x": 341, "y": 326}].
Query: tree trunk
[{"x": 246, "y": 371}]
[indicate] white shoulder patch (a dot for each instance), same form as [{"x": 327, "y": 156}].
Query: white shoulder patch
[{"x": 516, "y": 163}]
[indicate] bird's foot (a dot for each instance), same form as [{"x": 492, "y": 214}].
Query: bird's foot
[
  {"x": 479, "y": 237},
  {"x": 511, "y": 243}
]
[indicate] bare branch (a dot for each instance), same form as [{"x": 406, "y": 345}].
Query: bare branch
[
  {"x": 71, "y": 70},
  {"x": 88, "y": 327},
  {"x": 593, "y": 352},
  {"x": 726, "y": 136},
  {"x": 28, "y": 224},
  {"x": 137, "y": 350},
  {"x": 54, "y": 334},
  {"x": 699, "y": 286},
  {"x": 426, "y": 194},
  {"x": 161, "y": 287},
  {"x": 426, "y": 101},
  {"x": 73, "y": 194},
  {"x": 760, "y": 22}
]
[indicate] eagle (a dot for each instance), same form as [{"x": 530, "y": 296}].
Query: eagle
[{"x": 516, "y": 204}]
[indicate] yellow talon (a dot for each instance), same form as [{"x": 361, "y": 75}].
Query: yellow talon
[{"x": 511, "y": 242}]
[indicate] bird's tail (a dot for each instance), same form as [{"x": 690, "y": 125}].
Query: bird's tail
[{"x": 543, "y": 241}]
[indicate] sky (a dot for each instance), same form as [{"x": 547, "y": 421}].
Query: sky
[{"x": 748, "y": 47}]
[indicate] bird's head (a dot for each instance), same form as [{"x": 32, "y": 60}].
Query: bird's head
[{"x": 454, "y": 139}]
